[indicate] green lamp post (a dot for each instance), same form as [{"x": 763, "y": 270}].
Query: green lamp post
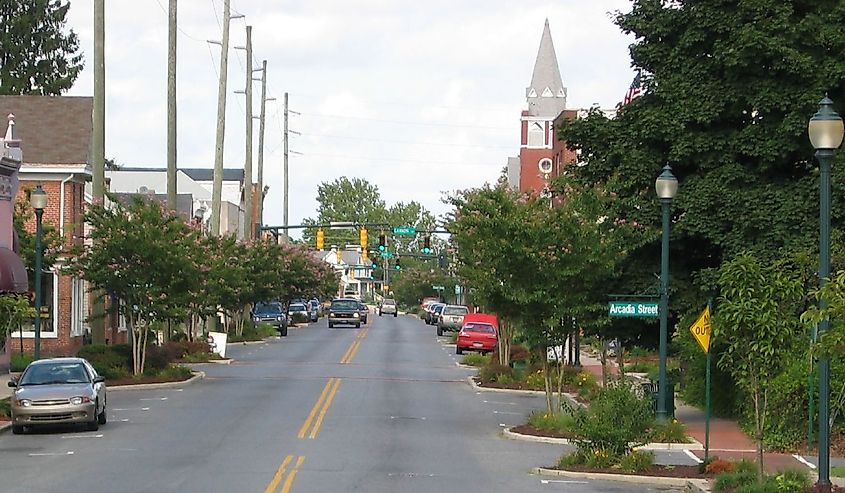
[
  {"x": 666, "y": 186},
  {"x": 38, "y": 200},
  {"x": 826, "y": 131}
]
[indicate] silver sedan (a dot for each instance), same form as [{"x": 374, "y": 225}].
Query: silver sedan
[{"x": 58, "y": 391}]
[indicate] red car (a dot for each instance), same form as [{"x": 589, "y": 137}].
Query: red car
[{"x": 479, "y": 332}]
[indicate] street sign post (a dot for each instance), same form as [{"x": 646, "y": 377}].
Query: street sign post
[
  {"x": 702, "y": 331},
  {"x": 405, "y": 230},
  {"x": 632, "y": 309}
]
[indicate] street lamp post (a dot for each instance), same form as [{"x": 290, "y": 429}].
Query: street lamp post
[
  {"x": 666, "y": 186},
  {"x": 826, "y": 132},
  {"x": 38, "y": 200}
]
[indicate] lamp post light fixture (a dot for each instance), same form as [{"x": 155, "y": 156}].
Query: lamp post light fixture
[
  {"x": 826, "y": 131},
  {"x": 38, "y": 200},
  {"x": 666, "y": 186}
]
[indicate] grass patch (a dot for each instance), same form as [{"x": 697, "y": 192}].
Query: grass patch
[
  {"x": 175, "y": 371},
  {"x": 555, "y": 422},
  {"x": 672, "y": 431},
  {"x": 476, "y": 359},
  {"x": 453, "y": 337},
  {"x": 256, "y": 333},
  {"x": 837, "y": 471},
  {"x": 20, "y": 361},
  {"x": 640, "y": 367},
  {"x": 5, "y": 407}
]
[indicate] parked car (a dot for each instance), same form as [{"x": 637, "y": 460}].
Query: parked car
[
  {"x": 298, "y": 313},
  {"x": 429, "y": 310},
  {"x": 344, "y": 311},
  {"x": 388, "y": 306},
  {"x": 479, "y": 332},
  {"x": 364, "y": 310},
  {"x": 314, "y": 308},
  {"x": 272, "y": 313},
  {"x": 433, "y": 315},
  {"x": 451, "y": 317},
  {"x": 58, "y": 391}
]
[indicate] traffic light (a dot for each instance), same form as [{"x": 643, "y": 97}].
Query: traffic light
[
  {"x": 321, "y": 239},
  {"x": 364, "y": 240},
  {"x": 398, "y": 266},
  {"x": 443, "y": 261},
  {"x": 427, "y": 244},
  {"x": 375, "y": 263},
  {"x": 382, "y": 242}
]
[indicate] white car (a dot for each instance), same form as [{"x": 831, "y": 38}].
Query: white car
[{"x": 387, "y": 306}]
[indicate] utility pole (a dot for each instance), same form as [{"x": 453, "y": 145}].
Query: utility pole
[
  {"x": 98, "y": 152},
  {"x": 287, "y": 185},
  {"x": 217, "y": 185},
  {"x": 171, "y": 105},
  {"x": 248, "y": 189},
  {"x": 261, "y": 118}
]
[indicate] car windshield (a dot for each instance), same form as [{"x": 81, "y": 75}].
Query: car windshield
[
  {"x": 438, "y": 308},
  {"x": 344, "y": 305},
  {"x": 54, "y": 373},
  {"x": 455, "y": 310},
  {"x": 483, "y": 328},
  {"x": 268, "y": 308},
  {"x": 297, "y": 307}
]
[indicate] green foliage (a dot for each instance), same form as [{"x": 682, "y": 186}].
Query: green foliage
[
  {"x": 555, "y": 422},
  {"x": 14, "y": 310},
  {"x": 174, "y": 372},
  {"x": 743, "y": 480},
  {"x": 111, "y": 361},
  {"x": 5, "y": 407},
  {"x": 38, "y": 55},
  {"x": 576, "y": 458},
  {"x": 672, "y": 431},
  {"x": 615, "y": 421},
  {"x": 734, "y": 479},
  {"x": 535, "y": 380},
  {"x": 640, "y": 367},
  {"x": 837, "y": 471},
  {"x": 637, "y": 461},
  {"x": 19, "y": 361},
  {"x": 494, "y": 372},
  {"x": 476, "y": 359},
  {"x": 254, "y": 333}
]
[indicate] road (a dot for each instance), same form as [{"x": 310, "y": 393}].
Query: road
[{"x": 384, "y": 408}]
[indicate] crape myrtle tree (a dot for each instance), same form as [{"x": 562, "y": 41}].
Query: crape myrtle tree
[{"x": 37, "y": 54}]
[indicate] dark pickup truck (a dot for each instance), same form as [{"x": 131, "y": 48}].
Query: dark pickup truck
[
  {"x": 272, "y": 313},
  {"x": 345, "y": 311}
]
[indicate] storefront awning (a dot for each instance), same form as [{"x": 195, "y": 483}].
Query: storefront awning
[{"x": 12, "y": 273}]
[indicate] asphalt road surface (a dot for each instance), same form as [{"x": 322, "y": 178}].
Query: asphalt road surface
[{"x": 384, "y": 408}]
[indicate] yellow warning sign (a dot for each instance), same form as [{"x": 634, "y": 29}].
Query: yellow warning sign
[{"x": 702, "y": 330}]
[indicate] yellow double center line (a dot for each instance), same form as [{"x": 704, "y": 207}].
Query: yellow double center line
[
  {"x": 353, "y": 348},
  {"x": 321, "y": 407},
  {"x": 283, "y": 473}
]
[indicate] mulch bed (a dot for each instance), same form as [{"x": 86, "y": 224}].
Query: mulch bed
[
  {"x": 145, "y": 379},
  {"x": 537, "y": 432},
  {"x": 654, "y": 470}
]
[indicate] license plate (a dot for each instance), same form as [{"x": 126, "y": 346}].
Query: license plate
[{"x": 477, "y": 344}]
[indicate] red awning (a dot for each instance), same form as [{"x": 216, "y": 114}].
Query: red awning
[{"x": 12, "y": 273}]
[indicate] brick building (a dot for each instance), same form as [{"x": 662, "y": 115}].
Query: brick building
[{"x": 55, "y": 134}]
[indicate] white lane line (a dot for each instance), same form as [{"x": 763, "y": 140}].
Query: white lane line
[
  {"x": 502, "y": 403},
  {"x": 503, "y": 425},
  {"x": 564, "y": 481},
  {"x": 100, "y": 435},
  {"x": 693, "y": 457},
  {"x": 153, "y": 399},
  {"x": 506, "y": 412},
  {"x": 124, "y": 420},
  {"x": 51, "y": 454},
  {"x": 145, "y": 409},
  {"x": 804, "y": 461}
]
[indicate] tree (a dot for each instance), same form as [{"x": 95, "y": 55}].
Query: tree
[
  {"x": 756, "y": 321},
  {"x": 729, "y": 87},
  {"x": 37, "y": 55},
  {"x": 344, "y": 199},
  {"x": 14, "y": 309}
]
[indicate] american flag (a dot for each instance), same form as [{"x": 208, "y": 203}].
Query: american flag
[{"x": 635, "y": 90}]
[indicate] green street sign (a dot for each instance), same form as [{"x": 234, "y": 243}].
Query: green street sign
[
  {"x": 405, "y": 230},
  {"x": 632, "y": 309},
  {"x": 439, "y": 288},
  {"x": 386, "y": 254}
]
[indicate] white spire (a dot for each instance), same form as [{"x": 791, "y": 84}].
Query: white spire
[{"x": 546, "y": 94}]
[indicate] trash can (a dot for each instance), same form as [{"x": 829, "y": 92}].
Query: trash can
[{"x": 651, "y": 388}]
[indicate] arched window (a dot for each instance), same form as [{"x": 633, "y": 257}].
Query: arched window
[{"x": 536, "y": 135}]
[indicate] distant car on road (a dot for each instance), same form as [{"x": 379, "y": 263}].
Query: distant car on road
[
  {"x": 58, "y": 391},
  {"x": 387, "y": 306},
  {"x": 434, "y": 312},
  {"x": 298, "y": 313},
  {"x": 344, "y": 311},
  {"x": 451, "y": 318},
  {"x": 272, "y": 313},
  {"x": 314, "y": 309},
  {"x": 479, "y": 332}
]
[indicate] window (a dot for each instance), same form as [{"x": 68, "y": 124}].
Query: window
[
  {"x": 483, "y": 328},
  {"x": 77, "y": 302},
  {"x": 536, "y": 135},
  {"x": 455, "y": 310},
  {"x": 49, "y": 301}
]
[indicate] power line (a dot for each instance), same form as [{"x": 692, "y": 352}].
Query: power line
[
  {"x": 401, "y": 122},
  {"x": 444, "y": 144},
  {"x": 399, "y": 160},
  {"x": 501, "y": 109}
]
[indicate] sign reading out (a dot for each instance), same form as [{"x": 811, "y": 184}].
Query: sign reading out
[
  {"x": 702, "y": 330},
  {"x": 632, "y": 309}
]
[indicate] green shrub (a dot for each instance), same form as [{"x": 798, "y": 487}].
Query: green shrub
[
  {"x": 639, "y": 352},
  {"x": 615, "y": 421},
  {"x": 535, "y": 380},
  {"x": 640, "y": 367},
  {"x": 791, "y": 481},
  {"x": 5, "y": 407},
  {"x": 734, "y": 479},
  {"x": 505, "y": 378},
  {"x": 492, "y": 371},
  {"x": 601, "y": 458},
  {"x": 476, "y": 359},
  {"x": 576, "y": 458},
  {"x": 20, "y": 361},
  {"x": 453, "y": 338},
  {"x": 175, "y": 371},
  {"x": 556, "y": 422},
  {"x": 111, "y": 361},
  {"x": 637, "y": 461},
  {"x": 672, "y": 431}
]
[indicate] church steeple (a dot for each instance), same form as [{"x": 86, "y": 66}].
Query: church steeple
[{"x": 546, "y": 94}]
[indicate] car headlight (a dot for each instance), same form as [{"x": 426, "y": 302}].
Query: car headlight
[
  {"x": 256, "y": 319},
  {"x": 23, "y": 402},
  {"x": 331, "y": 314},
  {"x": 356, "y": 314},
  {"x": 79, "y": 400},
  {"x": 279, "y": 319}
]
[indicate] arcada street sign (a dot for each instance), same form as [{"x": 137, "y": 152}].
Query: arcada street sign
[{"x": 632, "y": 309}]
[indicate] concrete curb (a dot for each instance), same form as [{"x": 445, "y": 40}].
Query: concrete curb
[
  {"x": 247, "y": 343},
  {"x": 626, "y": 478},
  {"x": 198, "y": 375},
  {"x": 507, "y": 433}
]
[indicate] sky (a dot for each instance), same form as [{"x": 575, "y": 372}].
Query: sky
[{"x": 418, "y": 98}]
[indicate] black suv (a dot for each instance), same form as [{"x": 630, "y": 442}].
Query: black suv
[
  {"x": 345, "y": 311},
  {"x": 273, "y": 313}
]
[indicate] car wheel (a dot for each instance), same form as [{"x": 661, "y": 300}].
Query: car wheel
[
  {"x": 439, "y": 331},
  {"x": 394, "y": 314},
  {"x": 379, "y": 313},
  {"x": 284, "y": 331},
  {"x": 458, "y": 350},
  {"x": 102, "y": 418},
  {"x": 331, "y": 325},
  {"x": 358, "y": 325},
  {"x": 95, "y": 424},
  {"x": 17, "y": 429}
]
